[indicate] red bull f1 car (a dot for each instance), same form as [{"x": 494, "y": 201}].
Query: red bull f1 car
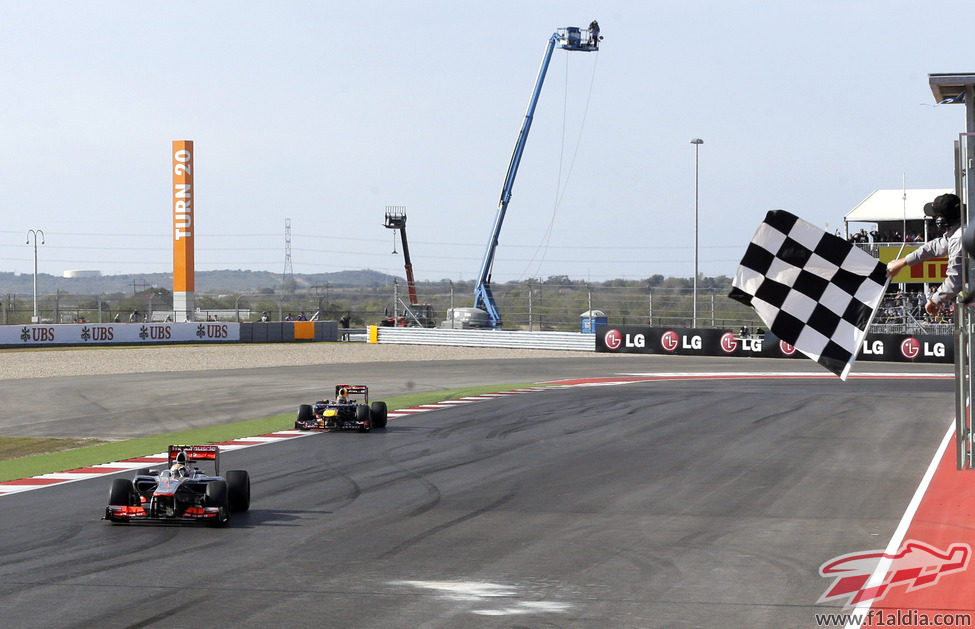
[
  {"x": 350, "y": 410},
  {"x": 181, "y": 493}
]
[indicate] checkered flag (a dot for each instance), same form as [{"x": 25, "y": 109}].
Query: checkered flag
[{"x": 812, "y": 289}]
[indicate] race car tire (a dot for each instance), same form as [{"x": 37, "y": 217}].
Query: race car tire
[
  {"x": 239, "y": 490},
  {"x": 121, "y": 493},
  {"x": 378, "y": 413},
  {"x": 305, "y": 413},
  {"x": 216, "y": 496},
  {"x": 362, "y": 416}
]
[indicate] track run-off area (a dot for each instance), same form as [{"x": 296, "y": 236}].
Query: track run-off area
[{"x": 621, "y": 497}]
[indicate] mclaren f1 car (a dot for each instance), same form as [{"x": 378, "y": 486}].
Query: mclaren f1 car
[
  {"x": 350, "y": 410},
  {"x": 182, "y": 493}
]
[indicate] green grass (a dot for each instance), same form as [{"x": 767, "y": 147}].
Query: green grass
[
  {"x": 26, "y": 466},
  {"x": 16, "y": 447}
]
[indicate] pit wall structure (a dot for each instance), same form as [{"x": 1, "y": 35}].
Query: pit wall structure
[{"x": 82, "y": 334}]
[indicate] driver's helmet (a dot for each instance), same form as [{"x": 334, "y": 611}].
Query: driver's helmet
[
  {"x": 179, "y": 467},
  {"x": 343, "y": 396}
]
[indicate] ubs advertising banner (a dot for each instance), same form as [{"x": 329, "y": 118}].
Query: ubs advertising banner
[
  {"x": 687, "y": 341},
  {"x": 33, "y": 335}
]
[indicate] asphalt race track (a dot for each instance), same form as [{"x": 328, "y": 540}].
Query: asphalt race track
[
  {"x": 673, "y": 503},
  {"x": 128, "y": 405}
]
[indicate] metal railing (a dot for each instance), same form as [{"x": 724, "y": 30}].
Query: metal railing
[{"x": 514, "y": 339}]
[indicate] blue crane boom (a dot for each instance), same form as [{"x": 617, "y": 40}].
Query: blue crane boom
[{"x": 570, "y": 38}]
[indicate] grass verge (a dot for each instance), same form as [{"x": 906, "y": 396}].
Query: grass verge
[{"x": 17, "y": 458}]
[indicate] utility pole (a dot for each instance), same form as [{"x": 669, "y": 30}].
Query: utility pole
[
  {"x": 288, "y": 278},
  {"x": 697, "y": 142},
  {"x": 34, "y": 233}
]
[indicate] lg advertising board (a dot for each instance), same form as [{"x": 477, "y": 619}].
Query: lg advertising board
[{"x": 690, "y": 342}]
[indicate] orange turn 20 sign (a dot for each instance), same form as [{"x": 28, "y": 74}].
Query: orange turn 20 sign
[{"x": 183, "y": 270}]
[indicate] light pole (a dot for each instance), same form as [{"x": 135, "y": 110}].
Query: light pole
[
  {"x": 451, "y": 304},
  {"x": 697, "y": 142},
  {"x": 34, "y": 233}
]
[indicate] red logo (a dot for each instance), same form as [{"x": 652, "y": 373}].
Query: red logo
[
  {"x": 917, "y": 566},
  {"x": 613, "y": 339},
  {"x": 728, "y": 343},
  {"x": 669, "y": 340},
  {"x": 910, "y": 348},
  {"x": 787, "y": 349}
]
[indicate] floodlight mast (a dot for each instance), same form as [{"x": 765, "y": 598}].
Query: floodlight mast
[{"x": 569, "y": 38}]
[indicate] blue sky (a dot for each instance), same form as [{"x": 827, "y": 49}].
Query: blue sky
[{"x": 327, "y": 112}]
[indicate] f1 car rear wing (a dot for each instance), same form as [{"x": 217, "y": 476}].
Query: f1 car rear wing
[{"x": 197, "y": 453}]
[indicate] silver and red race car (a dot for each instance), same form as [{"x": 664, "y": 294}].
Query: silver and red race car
[
  {"x": 350, "y": 410},
  {"x": 181, "y": 493}
]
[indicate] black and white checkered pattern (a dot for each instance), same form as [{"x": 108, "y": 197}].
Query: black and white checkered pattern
[{"x": 813, "y": 290}]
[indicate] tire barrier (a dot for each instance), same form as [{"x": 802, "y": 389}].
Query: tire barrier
[
  {"x": 289, "y": 331},
  {"x": 706, "y": 342}
]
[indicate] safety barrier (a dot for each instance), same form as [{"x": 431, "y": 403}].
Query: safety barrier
[
  {"x": 619, "y": 339},
  {"x": 74, "y": 334},
  {"x": 699, "y": 342},
  {"x": 518, "y": 339},
  {"x": 81, "y": 334},
  {"x": 288, "y": 331}
]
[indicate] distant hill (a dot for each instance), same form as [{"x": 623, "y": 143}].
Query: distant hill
[{"x": 206, "y": 282}]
